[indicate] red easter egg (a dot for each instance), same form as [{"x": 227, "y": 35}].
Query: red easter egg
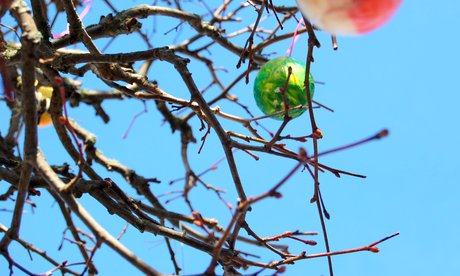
[{"x": 348, "y": 17}]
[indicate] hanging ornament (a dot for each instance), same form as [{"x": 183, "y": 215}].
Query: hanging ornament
[
  {"x": 271, "y": 81},
  {"x": 348, "y": 17},
  {"x": 43, "y": 95}
]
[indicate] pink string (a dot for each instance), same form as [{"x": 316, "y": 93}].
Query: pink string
[
  {"x": 86, "y": 9},
  {"x": 82, "y": 15},
  {"x": 294, "y": 38},
  {"x": 133, "y": 120}
]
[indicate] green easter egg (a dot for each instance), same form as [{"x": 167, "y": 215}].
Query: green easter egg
[{"x": 270, "y": 82}]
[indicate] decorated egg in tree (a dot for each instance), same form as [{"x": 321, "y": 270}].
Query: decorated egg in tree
[
  {"x": 43, "y": 95},
  {"x": 271, "y": 81},
  {"x": 348, "y": 17}
]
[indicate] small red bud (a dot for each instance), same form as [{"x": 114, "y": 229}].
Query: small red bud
[
  {"x": 63, "y": 120},
  {"x": 58, "y": 80},
  {"x": 198, "y": 222},
  {"x": 310, "y": 242},
  {"x": 302, "y": 153},
  {"x": 374, "y": 249},
  {"x": 382, "y": 133},
  {"x": 281, "y": 269},
  {"x": 318, "y": 134}
]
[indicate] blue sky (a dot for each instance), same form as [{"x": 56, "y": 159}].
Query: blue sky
[{"x": 404, "y": 77}]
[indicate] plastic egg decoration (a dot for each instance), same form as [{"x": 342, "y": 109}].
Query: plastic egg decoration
[
  {"x": 271, "y": 81},
  {"x": 348, "y": 17},
  {"x": 44, "y": 93},
  {"x": 45, "y": 119}
]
